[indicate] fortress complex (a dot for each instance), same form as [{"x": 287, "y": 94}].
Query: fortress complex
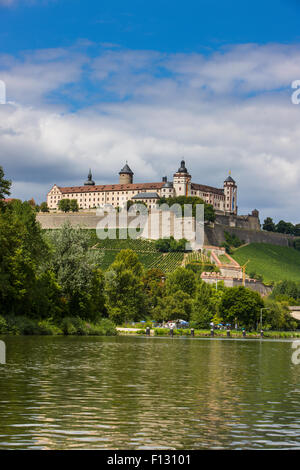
[{"x": 90, "y": 195}]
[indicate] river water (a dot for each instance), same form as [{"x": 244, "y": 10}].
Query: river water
[{"x": 148, "y": 393}]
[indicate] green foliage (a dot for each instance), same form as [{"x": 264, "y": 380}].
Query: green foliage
[
  {"x": 203, "y": 308},
  {"x": 4, "y": 188},
  {"x": 231, "y": 240},
  {"x": 170, "y": 245},
  {"x": 288, "y": 289},
  {"x": 278, "y": 316},
  {"x": 146, "y": 250},
  {"x": 241, "y": 305},
  {"x": 75, "y": 267},
  {"x": 209, "y": 213},
  {"x": 173, "y": 307},
  {"x": 77, "y": 326},
  {"x": 281, "y": 227},
  {"x": 125, "y": 296},
  {"x": 22, "y": 252},
  {"x": 285, "y": 227},
  {"x": 3, "y": 325},
  {"x": 44, "y": 207},
  {"x": 272, "y": 262},
  {"x": 181, "y": 280},
  {"x": 154, "y": 287},
  {"x": 269, "y": 225},
  {"x": 74, "y": 205},
  {"x": 64, "y": 205}
]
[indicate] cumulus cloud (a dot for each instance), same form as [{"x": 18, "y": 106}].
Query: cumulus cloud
[{"x": 228, "y": 110}]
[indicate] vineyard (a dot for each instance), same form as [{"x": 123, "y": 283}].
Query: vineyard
[
  {"x": 198, "y": 257},
  {"x": 166, "y": 262},
  {"x": 146, "y": 251}
]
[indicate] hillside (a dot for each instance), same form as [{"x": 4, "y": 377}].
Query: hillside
[
  {"x": 146, "y": 251},
  {"x": 273, "y": 262}
]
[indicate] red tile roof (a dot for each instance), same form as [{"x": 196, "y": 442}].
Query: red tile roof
[
  {"x": 207, "y": 189},
  {"x": 110, "y": 187}
]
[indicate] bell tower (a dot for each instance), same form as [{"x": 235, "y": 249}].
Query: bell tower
[{"x": 182, "y": 181}]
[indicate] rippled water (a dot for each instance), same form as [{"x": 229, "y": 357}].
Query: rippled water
[{"x": 143, "y": 393}]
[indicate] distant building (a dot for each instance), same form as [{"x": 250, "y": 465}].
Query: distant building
[{"x": 90, "y": 195}]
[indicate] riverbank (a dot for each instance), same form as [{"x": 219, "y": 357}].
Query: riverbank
[
  {"x": 207, "y": 333},
  {"x": 22, "y": 326}
]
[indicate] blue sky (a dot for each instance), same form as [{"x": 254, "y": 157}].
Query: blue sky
[
  {"x": 164, "y": 25},
  {"x": 95, "y": 83}
]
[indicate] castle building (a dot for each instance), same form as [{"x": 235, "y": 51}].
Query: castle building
[{"x": 90, "y": 195}]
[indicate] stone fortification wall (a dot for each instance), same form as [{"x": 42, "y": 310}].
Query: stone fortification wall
[
  {"x": 250, "y": 222},
  {"x": 214, "y": 234},
  {"x": 53, "y": 221}
]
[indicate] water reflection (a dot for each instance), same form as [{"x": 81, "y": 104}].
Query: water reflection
[{"x": 141, "y": 393}]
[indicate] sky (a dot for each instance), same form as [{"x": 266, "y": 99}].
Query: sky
[{"x": 91, "y": 84}]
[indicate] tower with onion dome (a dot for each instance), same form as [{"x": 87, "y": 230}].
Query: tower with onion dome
[{"x": 182, "y": 181}]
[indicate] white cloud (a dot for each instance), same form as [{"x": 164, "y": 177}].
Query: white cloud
[{"x": 175, "y": 106}]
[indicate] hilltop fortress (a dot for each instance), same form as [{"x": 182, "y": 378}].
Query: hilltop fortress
[{"x": 91, "y": 196}]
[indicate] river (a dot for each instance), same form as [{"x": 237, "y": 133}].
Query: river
[{"x": 148, "y": 393}]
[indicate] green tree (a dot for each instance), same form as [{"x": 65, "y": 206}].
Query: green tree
[
  {"x": 124, "y": 289},
  {"x": 44, "y": 207},
  {"x": 177, "y": 306},
  {"x": 154, "y": 287},
  {"x": 285, "y": 227},
  {"x": 64, "y": 205},
  {"x": 181, "y": 280},
  {"x": 170, "y": 245},
  {"x": 278, "y": 316},
  {"x": 76, "y": 270},
  {"x": 4, "y": 187},
  {"x": 269, "y": 225},
  {"x": 241, "y": 304},
  {"x": 209, "y": 213},
  {"x": 203, "y": 306},
  {"x": 74, "y": 205},
  {"x": 297, "y": 230},
  {"x": 289, "y": 289},
  {"x": 22, "y": 253}
]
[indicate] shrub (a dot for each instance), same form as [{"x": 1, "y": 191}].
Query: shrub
[
  {"x": 46, "y": 327},
  {"x": 3, "y": 325},
  {"x": 22, "y": 326},
  {"x": 77, "y": 326}
]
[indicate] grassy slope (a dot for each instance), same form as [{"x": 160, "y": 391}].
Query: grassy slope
[{"x": 274, "y": 263}]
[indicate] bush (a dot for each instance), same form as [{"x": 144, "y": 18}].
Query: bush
[
  {"x": 231, "y": 240},
  {"x": 22, "y": 326},
  {"x": 77, "y": 326},
  {"x": 3, "y": 325},
  {"x": 46, "y": 327},
  {"x": 170, "y": 245}
]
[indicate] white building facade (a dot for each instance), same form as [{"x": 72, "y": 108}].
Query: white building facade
[{"x": 91, "y": 196}]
